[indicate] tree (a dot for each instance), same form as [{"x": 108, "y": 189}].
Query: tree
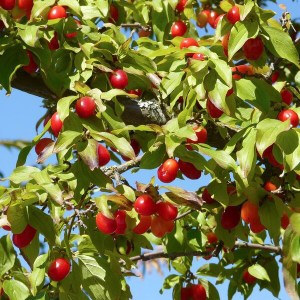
[{"x": 170, "y": 101}]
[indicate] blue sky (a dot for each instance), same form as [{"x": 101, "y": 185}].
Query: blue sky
[{"x": 19, "y": 114}]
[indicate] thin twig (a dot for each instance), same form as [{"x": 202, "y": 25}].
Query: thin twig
[{"x": 135, "y": 25}]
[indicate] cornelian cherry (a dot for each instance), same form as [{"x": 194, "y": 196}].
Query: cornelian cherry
[
  {"x": 212, "y": 110},
  {"x": 188, "y": 42},
  {"x": 289, "y": 114},
  {"x": 167, "y": 172},
  {"x": 201, "y": 134},
  {"x": 118, "y": 79},
  {"x": 167, "y": 211},
  {"x": 143, "y": 225},
  {"x": 32, "y": 65},
  {"x": 249, "y": 211},
  {"x": 59, "y": 269},
  {"x": 114, "y": 14},
  {"x": 159, "y": 226},
  {"x": 248, "y": 278},
  {"x": 42, "y": 144},
  {"x": 189, "y": 170},
  {"x": 286, "y": 96},
  {"x": 24, "y": 238},
  {"x": 103, "y": 155},
  {"x": 145, "y": 205},
  {"x": 120, "y": 216},
  {"x": 233, "y": 15},
  {"x": 253, "y": 48},
  {"x": 178, "y": 28},
  {"x": 85, "y": 107},
  {"x": 56, "y": 124},
  {"x": 231, "y": 216},
  {"x": 105, "y": 224},
  {"x": 181, "y": 5},
  {"x": 57, "y": 12}
]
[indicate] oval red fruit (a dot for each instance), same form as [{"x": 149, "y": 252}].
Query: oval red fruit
[
  {"x": 248, "y": 278},
  {"x": 233, "y": 15},
  {"x": 212, "y": 110},
  {"x": 56, "y": 124},
  {"x": 181, "y": 5},
  {"x": 103, "y": 155},
  {"x": 253, "y": 48},
  {"x": 85, "y": 107},
  {"x": 231, "y": 216},
  {"x": 59, "y": 269},
  {"x": 57, "y": 12},
  {"x": 32, "y": 66},
  {"x": 24, "y": 238},
  {"x": 105, "y": 224},
  {"x": 145, "y": 205},
  {"x": 189, "y": 170},
  {"x": 118, "y": 79},
  {"x": 120, "y": 216},
  {"x": 288, "y": 114},
  {"x": 178, "y": 28},
  {"x": 286, "y": 96},
  {"x": 167, "y": 172},
  {"x": 143, "y": 225},
  {"x": 167, "y": 211},
  {"x": 42, "y": 144}
]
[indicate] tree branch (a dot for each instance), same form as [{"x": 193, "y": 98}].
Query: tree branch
[{"x": 162, "y": 254}]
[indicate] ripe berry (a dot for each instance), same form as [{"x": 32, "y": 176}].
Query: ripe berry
[
  {"x": 201, "y": 134},
  {"x": 85, "y": 107},
  {"x": 145, "y": 205},
  {"x": 118, "y": 79},
  {"x": 7, "y": 4},
  {"x": 198, "y": 56},
  {"x": 25, "y": 4},
  {"x": 249, "y": 211},
  {"x": 54, "y": 43},
  {"x": 284, "y": 221},
  {"x": 32, "y": 66},
  {"x": 268, "y": 154},
  {"x": 56, "y": 124},
  {"x": 202, "y": 19},
  {"x": 114, "y": 14},
  {"x": 24, "y": 238},
  {"x": 212, "y": 110},
  {"x": 198, "y": 292},
  {"x": 103, "y": 155},
  {"x": 225, "y": 41},
  {"x": 167, "y": 211},
  {"x": 212, "y": 18},
  {"x": 188, "y": 42},
  {"x": 248, "y": 278},
  {"x": 243, "y": 69},
  {"x": 253, "y": 48},
  {"x": 186, "y": 293},
  {"x": 57, "y": 12},
  {"x": 6, "y": 227},
  {"x": 217, "y": 20},
  {"x": 120, "y": 216},
  {"x": 231, "y": 216},
  {"x": 256, "y": 226},
  {"x": 159, "y": 226},
  {"x": 269, "y": 186},
  {"x": 137, "y": 92},
  {"x": 289, "y": 114},
  {"x": 286, "y": 96},
  {"x": 178, "y": 28},
  {"x": 181, "y": 5},
  {"x": 189, "y": 170},
  {"x": 59, "y": 269},
  {"x": 143, "y": 225},
  {"x": 206, "y": 196},
  {"x": 105, "y": 224},
  {"x": 42, "y": 144},
  {"x": 72, "y": 35},
  {"x": 275, "y": 76},
  {"x": 233, "y": 15},
  {"x": 167, "y": 172},
  {"x": 212, "y": 238}
]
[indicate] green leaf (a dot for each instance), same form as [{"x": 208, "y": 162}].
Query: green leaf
[
  {"x": 281, "y": 45},
  {"x": 88, "y": 152},
  {"x": 295, "y": 249},
  {"x": 15, "y": 290},
  {"x": 258, "y": 272},
  {"x": 270, "y": 218},
  {"x": 295, "y": 223},
  {"x": 170, "y": 82},
  {"x": 7, "y": 255},
  {"x": 268, "y": 131},
  {"x": 63, "y": 106}
]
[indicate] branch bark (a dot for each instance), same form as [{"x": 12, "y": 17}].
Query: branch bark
[{"x": 162, "y": 254}]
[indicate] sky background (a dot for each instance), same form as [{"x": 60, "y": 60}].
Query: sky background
[{"x": 18, "y": 116}]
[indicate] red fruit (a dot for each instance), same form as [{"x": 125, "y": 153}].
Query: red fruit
[
  {"x": 248, "y": 278},
  {"x": 268, "y": 154},
  {"x": 105, "y": 224},
  {"x": 188, "y": 42},
  {"x": 206, "y": 196},
  {"x": 275, "y": 76},
  {"x": 289, "y": 114},
  {"x": 25, "y": 4},
  {"x": 178, "y": 28},
  {"x": 103, "y": 155},
  {"x": 249, "y": 211},
  {"x": 198, "y": 292},
  {"x": 24, "y": 238},
  {"x": 56, "y": 124},
  {"x": 243, "y": 69},
  {"x": 181, "y": 5},
  {"x": 167, "y": 172},
  {"x": 229, "y": 92},
  {"x": 159, "y": 226},
  {"x": 120, "y": 216},
  {"x": 189, "y": 170},
  {"x": 114, "y": 14},
  {"x": 137, "y": 92},
  {"x": 217, "y": 20},
  {"x": 42, "y": 144},
  {"x": 212, "y": 110},
  {"x": 72, "y": 35},
  {"x": 231, "y": 216},
  {"x": 233, "y": 15},
  {"x": 186, "y": 293},
  {"x": 202, "y": 19},
  {"x": 212, "y": 238},
  {"x": 253, "y": 48},
  {"x": 6, "y": 227},
  {"x": 201, "y": 134},
  {"x": 145, "y": 205},
  {"x": 231, "y": 189},
  {"x": 198, "y": 56},
  {"x": 225, "y": 41},
  {"x": 7, "y": 4},
  {"x": 85, "y": 107},
  {"x": 59, "y": 269},
  {"x": 136, "y": 148},
  {"x": 32, "y": 66},
  {"x": 286, "y": 96},
  {"x": 284, "y": 221},
  {"x": 119, "y": 79},
  {"x": 53, "y": 44},
  {"x": 212, "y": 18},
  {"x": 143, "y": 226},
  {"x": 57, "y": 12},
  {"x": 269, "y": 186},
  {"x": 256, "y": 226},
  {"x": 167, "y": 211},
  {"x": 144, "y": 33}
]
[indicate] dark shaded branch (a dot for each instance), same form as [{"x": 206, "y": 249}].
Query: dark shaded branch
[
  {"x": 162, "y": 254},
  {"x": 135, "y": 25}
]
